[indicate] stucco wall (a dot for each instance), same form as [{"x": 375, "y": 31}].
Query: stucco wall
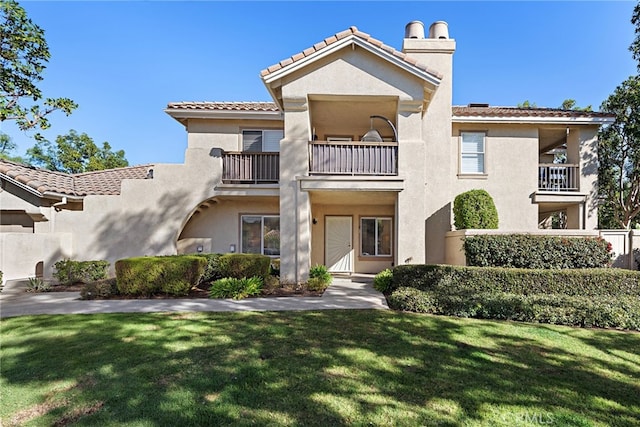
[
  {"x": 21, "y": 253},
  {"x": 511, "y": 162},
  {"x": 361, "y": 264}
]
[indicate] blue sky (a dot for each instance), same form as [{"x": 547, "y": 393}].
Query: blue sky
[{"x": 123, "y": 61}]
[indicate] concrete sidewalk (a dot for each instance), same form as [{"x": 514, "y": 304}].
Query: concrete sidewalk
[{"x": 355, "y": 292}]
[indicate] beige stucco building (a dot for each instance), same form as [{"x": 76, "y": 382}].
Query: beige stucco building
[{"x": 354, "y": 164}]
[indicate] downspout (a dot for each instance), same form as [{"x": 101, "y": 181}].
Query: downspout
[{"x": 62, "y": 202}]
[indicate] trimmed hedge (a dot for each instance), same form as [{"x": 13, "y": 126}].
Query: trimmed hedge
[
  {"x": 100, "y": 289},
  {"x": 243, "y": 265},
  {"x": 212, "y": 269},
  {"x": 382, "y": 281},
  {"x": 527, "y": 251},
  {"x": 614, "y": 312},
  {"x": 68, "y": 272},
  {"x": 171, "y": 275},
  {"x": 601, "y": 282},
  {"x": 474, "y": 209},
  {"x": 584, "y": 297}
]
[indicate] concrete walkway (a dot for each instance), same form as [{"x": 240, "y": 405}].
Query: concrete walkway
[{"x": 355, "y": 292}]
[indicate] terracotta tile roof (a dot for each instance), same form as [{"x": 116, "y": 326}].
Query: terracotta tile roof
[
  {"x": 484, "y": 111},
  {"x": 460, "y": 111},
  {"x": 106, "y": 182},
  {"x": 222, "y": 106},
  {"x": 342, "y": 35}
]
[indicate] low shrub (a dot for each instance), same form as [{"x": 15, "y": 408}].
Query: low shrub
[
  {"x": 212, "y": 269},
  {"x": 171, "y": 275},
  {"x": 100, "y": 289},
  {"x": 68, "y": 272},
  {"x": 474, "y": 209},
  {"x": 527, "y": 251},
  {"x": 244, "y": 265},
  {"x": 383, "y": 280},
  {"x": 319, "y": 278},
  {"x": 231, "y": 287},
  {"x": 621, "y": 312},
  {"x": 600, "y": 282},
  {"x": 36, "y": 284}
]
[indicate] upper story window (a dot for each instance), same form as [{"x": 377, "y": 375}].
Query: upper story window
[
  {"x": 261, "y": 140},
  {"x": 472, "y": 152}
]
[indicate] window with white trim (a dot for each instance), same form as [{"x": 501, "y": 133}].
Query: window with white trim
[
  {"x": 260, "y": 234},
  {"x": 472, "y": 151},
  {"x": 376, "y": 236},
  {"x": 261, "y": 140}
]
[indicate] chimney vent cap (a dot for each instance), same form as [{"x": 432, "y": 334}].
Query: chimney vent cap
[
  {"x": 414, "y": 30},
  {"x": 439, "y": 30}
]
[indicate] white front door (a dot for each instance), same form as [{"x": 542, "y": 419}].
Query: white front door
[{"x": 338, "y": 245}]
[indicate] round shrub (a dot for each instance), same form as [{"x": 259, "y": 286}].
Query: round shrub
[
  {"x": 383, "y": 280},
  {"x": 475, "y": 209}
]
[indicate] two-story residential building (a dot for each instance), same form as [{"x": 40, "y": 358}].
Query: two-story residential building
[{"x": 354, "y": 164}]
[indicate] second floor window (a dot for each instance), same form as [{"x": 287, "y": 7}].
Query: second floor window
[
  {"x": 472, "y": 151},
  {"x": 261, "y": 140}
]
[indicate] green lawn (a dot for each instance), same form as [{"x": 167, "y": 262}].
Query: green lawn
[{"x": 313, "y": 368}]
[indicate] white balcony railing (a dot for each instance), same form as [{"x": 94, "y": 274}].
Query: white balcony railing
[{"x": 558, "y": 177}]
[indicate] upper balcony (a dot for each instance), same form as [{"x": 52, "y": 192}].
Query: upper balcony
[
  {"x": 558, "y": 177},
  {"x": 250, "y": 167},
  {"x": 353, "y": 158}
]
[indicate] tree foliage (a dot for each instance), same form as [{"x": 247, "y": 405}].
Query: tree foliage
[
  {"x": 619, "y": 157},
  {"x": 75, "y": 153},
  {"x": 23, "y": 56},
  {"x": 7, "y": 148},
  {"x": 570, "y": 104},
  {"x": 635, "y": 45}
]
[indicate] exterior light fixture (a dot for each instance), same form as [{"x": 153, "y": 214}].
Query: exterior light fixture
[{"x": 232, "y": 248}]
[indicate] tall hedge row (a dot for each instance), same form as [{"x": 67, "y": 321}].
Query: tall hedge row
[
  {"x": 601, "y": 282},
  {"x": 603, "y": 297},
  {"x": 529, "y": 251}
]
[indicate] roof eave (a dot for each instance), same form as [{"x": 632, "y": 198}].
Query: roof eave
[
  {"x": 535, "y": 120},
  {"x": 181, "y": 114}
]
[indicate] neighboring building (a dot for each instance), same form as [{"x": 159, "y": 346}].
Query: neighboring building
[{"x": 355, "y": 164}]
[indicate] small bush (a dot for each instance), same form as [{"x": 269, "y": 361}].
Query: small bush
[
  {"x": 171, "y": 275},
  {"x": 100, "y": 289},
  {"x": 527, "y": 251},
  {"x": 68, "y": 272},
  {"x": 231, "y": 287},
  {"x": 212, "y": 269},
  {"x": 244, "y": 265},
  {"x": 382, "y": 281},
  {"x": 319, "y": 278},
  {"x": 36, "y": 284},
  {"x": 475, "y": 209}
]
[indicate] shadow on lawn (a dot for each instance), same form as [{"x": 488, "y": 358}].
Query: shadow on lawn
[{"x": 327, "y": 368}]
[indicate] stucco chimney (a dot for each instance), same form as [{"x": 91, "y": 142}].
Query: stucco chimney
[
  {"x": 414, "y": 30},
  {"x": 439, "y": 30}
]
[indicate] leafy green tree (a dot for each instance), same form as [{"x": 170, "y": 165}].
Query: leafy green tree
[
  {"x": 619, "y": 157},
  {"x": 7, "y": 147},
  {"x": 570, "y": 104},
  {"x": 635, "y": 45},
  {"x": 75, "y": 153},
  {"x": 23, "y": 56},
  {"x": 527, "y": 104}
]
